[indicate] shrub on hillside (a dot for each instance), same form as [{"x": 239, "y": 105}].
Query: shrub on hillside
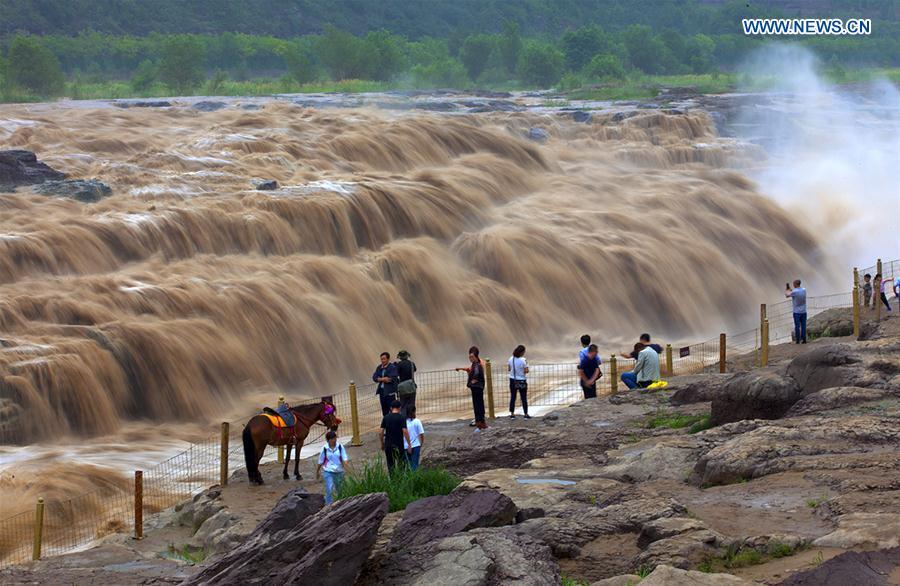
[
  {"x": 404, "y": 487},
  {"x": 34, "y": 67}
]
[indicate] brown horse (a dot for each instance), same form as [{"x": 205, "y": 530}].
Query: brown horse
[{"x": 260, "y": 432}]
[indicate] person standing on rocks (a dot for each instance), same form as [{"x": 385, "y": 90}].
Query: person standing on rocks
[
  {"x": 394, "y": 435},
  {"x": 798, "y": 298},
  {"x": 331, "y": 461},
  {"x": 387, "y": 377},
  {"x": 416, "y": 439},
  {"x": 867, "y": 289},
  {"x": 406, "y": 383},
  {"x": 518, "y": 381},
  {"x": 589, "y": 372},
  {"x": 476, "y": 381}
]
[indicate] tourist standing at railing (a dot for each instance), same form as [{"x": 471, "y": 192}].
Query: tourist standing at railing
[
  {"x": 416, "y": 439},
  {"x": 518, "y": 381},
  {"x": 798, "y": 299},
  {"x": 394, "y": 437},
  {"x": 387, "y": 378},
  {"x": 406, "y": 383},
  {"x": 589, "y": 372},
  {"x": 882, "y": 288},
  {"x": 867, "y": 289},
  {"x": 475, "y": 381},
  {"x": 331, "y": 460},
  {"x": 585, "y": 343}
]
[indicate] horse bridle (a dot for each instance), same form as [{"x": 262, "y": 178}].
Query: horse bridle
[{"x": 317, "y": 419}]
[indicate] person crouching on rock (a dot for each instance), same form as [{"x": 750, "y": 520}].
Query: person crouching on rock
[
  {"x": 331, "y": 461},
  {"x": 475, "y": 381},
  {"x": 393, "y": 435}
]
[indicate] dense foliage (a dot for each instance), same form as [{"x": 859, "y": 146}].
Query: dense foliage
[
  {"x": 404, "y": 487},
  {"x": 421, "y": 43}
]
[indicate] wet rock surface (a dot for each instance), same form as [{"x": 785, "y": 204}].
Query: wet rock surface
[
  {"x": 84, "y": 190},
  {"x": 328, "y": 548},
  {"x": 20, "y": 167},
  {"x": 872, "y": 568}
]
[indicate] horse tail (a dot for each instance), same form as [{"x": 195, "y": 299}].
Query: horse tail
[{"x": 250, "y": 454}]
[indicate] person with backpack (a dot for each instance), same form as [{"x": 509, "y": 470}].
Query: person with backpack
[
  {"x": 518, "y": 381},
  {"x": 331, "y": 461},
  {"x": 406, "y": 383},
  {"x": 476, "y": 382},
  {"x": 386, "y": 376}
]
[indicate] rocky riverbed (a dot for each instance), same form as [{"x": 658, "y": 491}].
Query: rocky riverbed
[{"x": 796, "y": 482}]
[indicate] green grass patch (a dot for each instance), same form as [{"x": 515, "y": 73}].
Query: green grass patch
[
  {"x": 737, "y": 556},
  {"x": 186, "y": 554},
  {"x": 567, "y": 581},
  {"x": 701, "y": 425},
  {"x": 675, "y": 420},
  {"x": 404, "y": 487}
]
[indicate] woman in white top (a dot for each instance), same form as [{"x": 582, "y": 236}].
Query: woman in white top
[
  {"x": 331, "y": 460},
  {"x": 416, "y": 438},
  {"x": 518, "y": 381}
]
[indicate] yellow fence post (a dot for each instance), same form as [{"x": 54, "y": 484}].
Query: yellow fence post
[
  {"x": 38, "y": 529},
  {"x": 138, "y": 504},
  {"x": 765, "y": 343},
  {"x": 223, "y": 455},
  {"x": 489, "y": 383},
  {"x": 281, "y": 448},
  {"x": 354, "y": 415},
  {"x": 613, "y": 374},
  {"x": 855, "y": 303},
  {"x": 722, "y": 353},
  {"x": 670, "y": 369}
]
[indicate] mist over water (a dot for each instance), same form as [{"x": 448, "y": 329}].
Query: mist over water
[{"x": 832, "y": 153}]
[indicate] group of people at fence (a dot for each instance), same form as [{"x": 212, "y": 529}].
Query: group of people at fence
[{"x": 882, "y": 284}]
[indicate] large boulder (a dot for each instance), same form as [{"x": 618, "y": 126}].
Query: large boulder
[
  {"x": 84, "y": 190},
  {"x": 826, "y": 366},
  {"x": 699, "y": 388},
  {"x": 203, "y": 506},
  {"x": 837, "y": 398},
  {"x": 481, "y": 557},
  {"x": 872, "y": 568},
  {"x": 18, "y": 167},
  {"x": 291, "y": 547},
  {"x": 831, "y": 323},
  {"x": 463, "y": 509},
  {"x": 754, "y": 395},
  {"x": 864, "y": 530}
]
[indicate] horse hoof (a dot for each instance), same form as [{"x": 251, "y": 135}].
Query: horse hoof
[
  {"x": 285, "y": 476},
  {"x": 299, "y": 477}
]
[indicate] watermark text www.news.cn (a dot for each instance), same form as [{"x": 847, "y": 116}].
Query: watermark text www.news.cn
[{"x": 807, "y": 26}]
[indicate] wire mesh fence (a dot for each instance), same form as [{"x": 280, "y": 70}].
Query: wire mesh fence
[{"x": 72, "y": 524}]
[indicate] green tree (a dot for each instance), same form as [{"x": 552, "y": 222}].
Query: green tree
[
  {"x": 540, "y": 64},
  {"x": 343, "y": 55},
  {"x": 446, "y": 73},
  {"x": 33, "y": 67},
  {"x": 646, "y": 51},
  {"x": 604, "y": 66},
  {"x": 510, "y": 45},
  {"x": 387, "y": 55},
  {"x": 581, "y": 45},
  {"x": 475, "y": 52},
  {"x": 144, "y": 76},
  {"x": 181, "y": 67},
  {"x": 301, "y": 63},
  {"x": 699, "y": 52}
]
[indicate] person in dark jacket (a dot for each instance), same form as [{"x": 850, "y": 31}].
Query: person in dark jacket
[
  {"x": 387, "y": 378},
  {"x": 475, "y": 382},
  {"x": 406, "y": 382}
]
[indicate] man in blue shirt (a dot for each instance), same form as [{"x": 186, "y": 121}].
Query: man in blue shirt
[
  {"x": 798, "y": 298},
  {"x": 386, "y": 376},
  {"x": 585, "y": 342},
  {"x": 589, "y": 372}
]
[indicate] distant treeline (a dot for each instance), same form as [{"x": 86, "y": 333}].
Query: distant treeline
[{"x": 535, "y": 44}]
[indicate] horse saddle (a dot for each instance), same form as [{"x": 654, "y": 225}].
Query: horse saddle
[{"x": 278, "y": 419}]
